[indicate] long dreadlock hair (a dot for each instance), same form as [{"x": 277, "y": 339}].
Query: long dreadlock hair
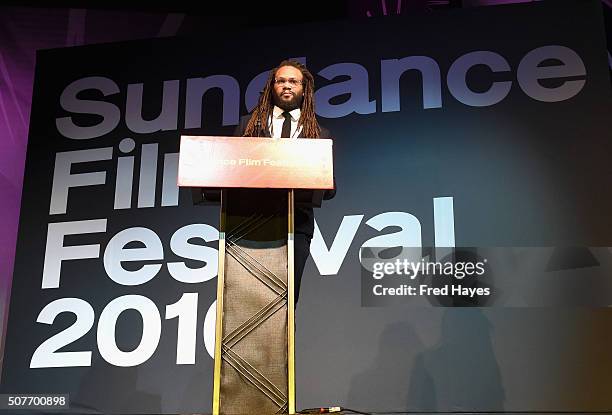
[{"x": 263, "y": 110}]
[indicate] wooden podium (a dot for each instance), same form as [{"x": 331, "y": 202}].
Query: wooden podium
[{"x": 254, "y": 181}]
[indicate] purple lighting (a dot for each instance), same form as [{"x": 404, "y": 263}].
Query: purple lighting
[{"x": 24, "y": 31}]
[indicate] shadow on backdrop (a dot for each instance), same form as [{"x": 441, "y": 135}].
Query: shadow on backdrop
[{"x": 461, "y": 373}]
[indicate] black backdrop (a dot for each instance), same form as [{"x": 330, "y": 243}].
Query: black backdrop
[{"x": 519, "y": 172}]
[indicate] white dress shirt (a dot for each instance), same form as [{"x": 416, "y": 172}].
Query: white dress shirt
[{"x": 276, "y": 126}]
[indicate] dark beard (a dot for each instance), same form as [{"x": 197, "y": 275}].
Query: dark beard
[{"x": 295, "y": 102}]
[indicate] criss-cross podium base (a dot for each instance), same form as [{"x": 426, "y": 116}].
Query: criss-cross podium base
[{"x": 254, "y": 335}]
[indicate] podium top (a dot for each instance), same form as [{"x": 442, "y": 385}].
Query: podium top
[{"x": 250, "y": 162}]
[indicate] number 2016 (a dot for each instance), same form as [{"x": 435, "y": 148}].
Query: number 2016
[{"x": 185, "y": 309}]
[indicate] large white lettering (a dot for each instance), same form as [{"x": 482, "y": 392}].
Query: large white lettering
[{"x": 356, "y": 89}]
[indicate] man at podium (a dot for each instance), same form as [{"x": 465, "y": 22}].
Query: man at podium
[{"x": 286, "y": 110}]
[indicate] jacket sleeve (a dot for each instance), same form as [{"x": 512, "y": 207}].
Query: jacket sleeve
[{"x": 329, "y": 194}]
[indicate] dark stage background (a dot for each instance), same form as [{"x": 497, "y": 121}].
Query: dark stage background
[{"x": 507, "y": 163}]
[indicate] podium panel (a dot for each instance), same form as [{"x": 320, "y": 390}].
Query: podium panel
[
  {"x": 252, "y": 372},
  {"x": 254, "y": 334}
]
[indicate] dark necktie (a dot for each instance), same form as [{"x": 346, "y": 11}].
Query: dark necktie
[{"x": 286, "y": 132}]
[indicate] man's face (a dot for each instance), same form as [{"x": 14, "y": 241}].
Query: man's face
[{"x": 288, "y": 94}]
